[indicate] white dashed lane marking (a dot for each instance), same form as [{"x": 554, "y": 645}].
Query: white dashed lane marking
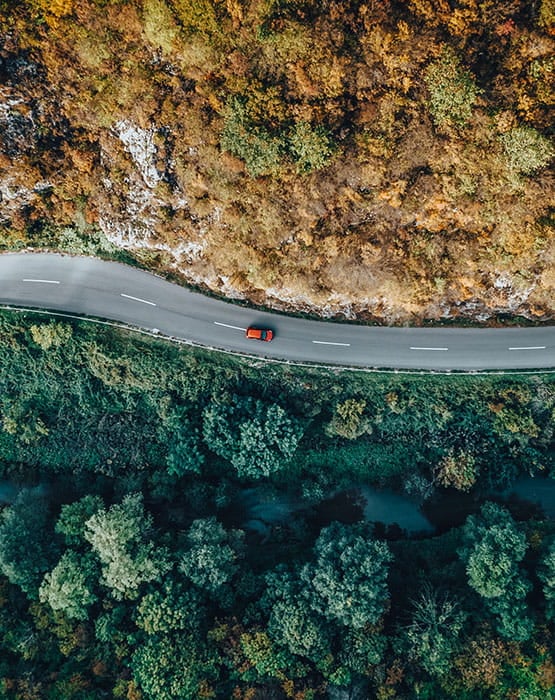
[
  {"x": 327, "y": 342},
  {"x": 143, "y": 301},
  {"x": 237, "y": 328},
  {"x": 416, "y": 348},
  {"x": 530, "y": 347},
  {"x": 43, "y": 281}
]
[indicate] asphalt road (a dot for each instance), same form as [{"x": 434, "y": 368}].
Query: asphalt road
[{"x": 108, "y": 290}]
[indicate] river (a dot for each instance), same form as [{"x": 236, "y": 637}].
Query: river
[{"x": 258, "y": 510}]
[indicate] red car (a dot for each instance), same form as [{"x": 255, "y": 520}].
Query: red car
[{"x": 259, "y": 334}]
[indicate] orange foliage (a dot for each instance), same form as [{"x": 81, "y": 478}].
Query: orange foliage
[{"x": 401, "y": 223}]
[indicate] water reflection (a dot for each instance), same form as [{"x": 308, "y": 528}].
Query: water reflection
[{"x": 260, "y": 513}]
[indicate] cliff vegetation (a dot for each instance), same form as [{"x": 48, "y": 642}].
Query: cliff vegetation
[{"x": 384, "y": 159}]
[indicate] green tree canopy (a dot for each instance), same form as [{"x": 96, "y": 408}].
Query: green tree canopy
[
  {"x": 492, "y": 549},
  {"x": 68, "y": 588},
  {"x": 256, "y": 146},
  {"x": 172, "y": 667},
  {"x": 183, "y": 440},
  {"x": 174, "y": 607},
  {"x": 432, "y": 636},
  {"x": 526, "y": 149},
  {"x": 211, "y": 554},
  {"x": 349, "y": 576},
  {"x": 293, "y": 623},
  {"x": 27, "y": 547},
  {"x": 119, "y": 537},
  {"x": 452, "y": 89},
  {"x": 547, "y": 575},
  {"x": 256, "y": 437},
  {"x": 310, "y": 147},
  {"x": 73, "y": 516}
]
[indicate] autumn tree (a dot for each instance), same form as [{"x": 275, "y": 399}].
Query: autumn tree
[
  {"x": 348, "y": 420},
  {"x": 457, "y": 469},
  {"x": 53, "y": 334}
]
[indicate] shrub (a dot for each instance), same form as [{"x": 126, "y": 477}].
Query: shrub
[
  {"x": 348, "y": 420},
  {"x": 51, "y": 334},
  {"x": 310, "y": 147},
  {"x": 457, "y": 470},
  {"x": 261, "y": 152},
  {"x": 452, "y": 90},
  {"x": 526, "y": 149}
]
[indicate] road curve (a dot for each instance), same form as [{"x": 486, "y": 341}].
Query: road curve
[{"x": 109, "y": 290}]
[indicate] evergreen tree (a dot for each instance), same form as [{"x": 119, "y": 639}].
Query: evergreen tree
[{"x": 27, "y": 547}]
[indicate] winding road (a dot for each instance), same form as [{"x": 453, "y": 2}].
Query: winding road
[{"x": 108, "y": 290}]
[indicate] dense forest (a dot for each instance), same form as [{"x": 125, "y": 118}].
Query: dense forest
[
  {"x": 128, "y": 570},
  {"x": 381, "y": 159},
  {"x": 177, "y": 524}
]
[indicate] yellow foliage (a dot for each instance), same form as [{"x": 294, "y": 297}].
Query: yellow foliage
[
  {"x": 160, "y": 27},
  {"x": 482, "y": 663},
  {"x": 199, "y": 16},
  {"x": 461, "y": 20},
  {"x": 405, "y": 32},
  {"x": 235, "y": 11},
  {"x": 53, "y": 10},
  {"x": 59, "y": 8},
  {"x": 431, "y": 10},
  {"x": 546, "y": 15}
]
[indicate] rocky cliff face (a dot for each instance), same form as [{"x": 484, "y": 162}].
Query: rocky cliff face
[{"x": 366, "y": 160}]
